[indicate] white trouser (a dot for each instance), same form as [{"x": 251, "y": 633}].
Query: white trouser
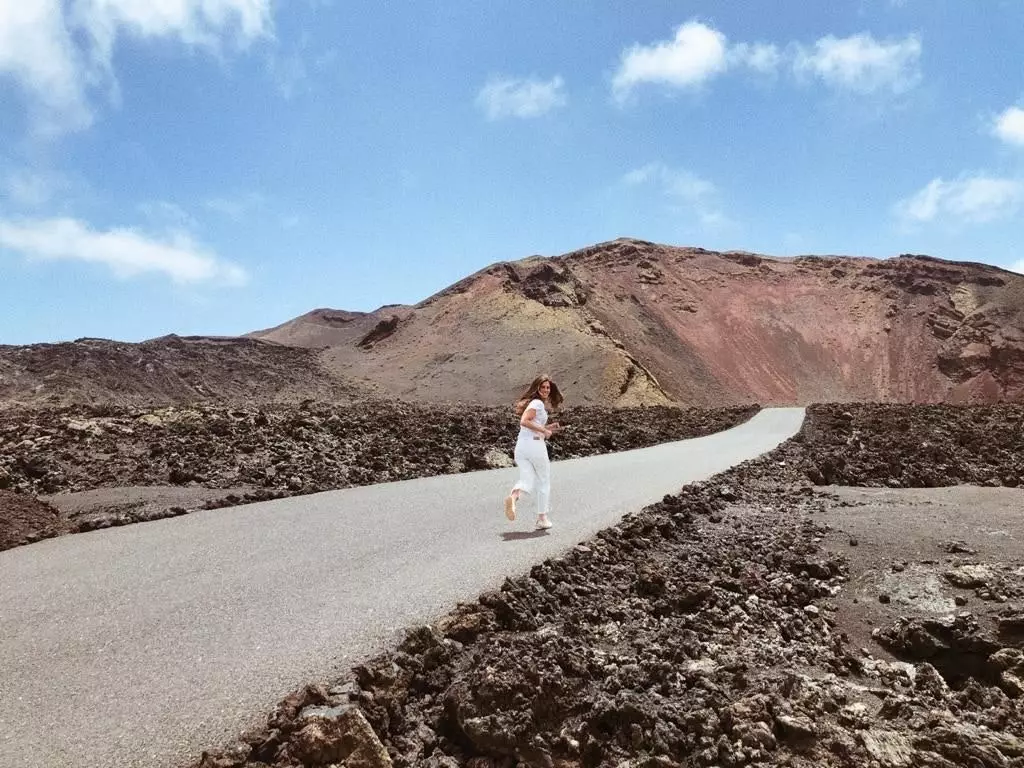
[{"x": 534, "y": 471}]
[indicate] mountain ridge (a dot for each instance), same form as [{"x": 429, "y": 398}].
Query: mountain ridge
[
  {"x": 625, "y": 322},
  {"x": 702, "y": 326}
]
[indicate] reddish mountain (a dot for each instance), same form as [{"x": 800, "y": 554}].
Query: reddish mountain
[{"x": 635, "y": 322}]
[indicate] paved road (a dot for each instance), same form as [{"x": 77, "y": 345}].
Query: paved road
[{"x": 140, "y": 646}]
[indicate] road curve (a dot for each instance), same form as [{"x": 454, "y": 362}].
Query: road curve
[{"x": 143, "y": 645}]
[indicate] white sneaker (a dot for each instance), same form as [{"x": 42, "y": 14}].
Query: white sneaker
[
  {"x": 510, "y": 507},
  {"x": 542, "y": 523}
]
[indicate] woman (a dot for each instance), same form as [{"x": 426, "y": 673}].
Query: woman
[{"x": 531, "y": 450}]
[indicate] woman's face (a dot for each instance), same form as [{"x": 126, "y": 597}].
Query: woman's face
[{"x": 544, "y": 389}]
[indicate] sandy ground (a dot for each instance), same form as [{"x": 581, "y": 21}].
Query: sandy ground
[{"x": 901, "y": 543}]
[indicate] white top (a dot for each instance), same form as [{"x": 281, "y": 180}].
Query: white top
[{"x": 541, "y": 418}]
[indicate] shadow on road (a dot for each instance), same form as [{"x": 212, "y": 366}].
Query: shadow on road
[{"x": 517, "y": 535}]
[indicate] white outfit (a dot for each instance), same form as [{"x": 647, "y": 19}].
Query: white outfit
[{"x": 532, "y": 459}]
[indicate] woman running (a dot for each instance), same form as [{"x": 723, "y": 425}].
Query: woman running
[{"x": 531, "y": 449}]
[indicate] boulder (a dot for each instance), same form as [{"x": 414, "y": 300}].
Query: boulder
[{"x": 348, "y": 739}]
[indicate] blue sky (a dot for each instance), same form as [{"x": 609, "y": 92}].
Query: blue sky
[{"x": 219, "y": 166}]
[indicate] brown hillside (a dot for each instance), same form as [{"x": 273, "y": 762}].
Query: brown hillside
[
  {"x": 167, "y": 370},
  {"x": 633, "y": 322},
  {"x": 479, "y": 340}
]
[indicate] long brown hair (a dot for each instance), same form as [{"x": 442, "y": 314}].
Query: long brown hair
[{"x": 532, "y": 392}]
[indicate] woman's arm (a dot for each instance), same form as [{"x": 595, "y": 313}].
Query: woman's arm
[{"x": 527, "y": 421}]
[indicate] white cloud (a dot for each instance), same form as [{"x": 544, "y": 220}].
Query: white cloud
[
  {"x": 516, "y": 97},
  {"x": 1017, "y": 267},
  {"x": 1009, "y": 126},
  {"x": 686, "y": 190},
  {"x": 295, "y": 70},
  {"x": 37, "y": 52},
  {"x": 862, "y": 64},
  {"x": 126, "y": 252},
  {"x": 641, "y": 175},
  {"x": 60, "y": 51},
  {"x": 968, "y": 200},
  {"x": 696, "y": 54}
]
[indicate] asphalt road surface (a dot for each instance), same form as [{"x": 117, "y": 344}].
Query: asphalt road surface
[{"x": 143, "y": 645}]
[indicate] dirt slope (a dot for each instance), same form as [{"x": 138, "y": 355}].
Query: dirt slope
[
  {"x": 632, "y": 322},
  {"x": 167, "y": 370},
  {"x": 479, "y": 340},
  {"x": 25, "y": 519},
  {"x": 811, "y": 329}
]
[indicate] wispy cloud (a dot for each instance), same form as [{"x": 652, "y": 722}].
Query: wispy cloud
[
  {"x": 760, "y": 57},
  {"x": 1017, "y": 267},
  {"x": 685, "y": 190},
  {"x": 1009, "y": 126},
  {"x": 126, "y": 252},
  {"x": 967, "y": 200},
  {"x": 238, "y": 207},
  {"x": 862, "y": 64},
  {"x": 166, "y": 214},
  {"x": 29, "y": 188},
  {"x": 519, "y": 97},
  {"x": 295, "y": 68},
  {"x": 60, "y": 54},
  {"x": 698, "y": 53},
  {"x": 290, "y": 74}
]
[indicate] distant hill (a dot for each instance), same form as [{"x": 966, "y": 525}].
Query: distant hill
[
  {"x": 634, "y": 322},
  {"x": 167, "y": 370}
]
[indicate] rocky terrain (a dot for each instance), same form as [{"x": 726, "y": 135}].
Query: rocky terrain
[
  {"x": 630, "y": 322},
  {"x": 710, "y": 629},
  {"x": 855, "y": 598},
  {"x": 917, "y": 447},
  {"x": 24, "y": 518},
  {"x": 109, "y": 465},
  {"x": 166, "y": 371}
]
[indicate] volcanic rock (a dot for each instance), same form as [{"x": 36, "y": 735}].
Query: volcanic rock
[
  {"x": 969, "y": 576},
  {"x": 347, "y": 739},
  {"x": 672, "y": 639},
  {"x": 24, "y": 519},
  {"x": 252, "y": 453}
]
